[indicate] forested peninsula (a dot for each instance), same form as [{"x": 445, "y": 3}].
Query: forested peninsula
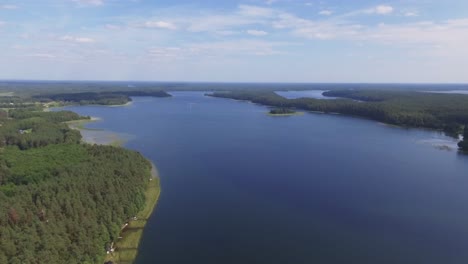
[
  {"x": 61, "y": 200},
  {"x": 446, "y": 112}
]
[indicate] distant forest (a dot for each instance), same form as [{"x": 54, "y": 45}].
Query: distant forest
[
  {"x": 62, "y": 201},
  {"x": 447, "y": 112},
  {"x": 100, "y": 98}
]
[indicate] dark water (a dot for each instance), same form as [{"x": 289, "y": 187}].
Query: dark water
[
  {"x": 239, "y": 186},
  {"x": 316, "y": 94}
]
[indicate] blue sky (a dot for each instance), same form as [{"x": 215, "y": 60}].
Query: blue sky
[{"x": 235, "y": 41}]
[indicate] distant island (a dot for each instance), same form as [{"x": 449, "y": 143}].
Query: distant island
[
  {"x": 282, "y": 111},
  {"x": 408, "y": 108}
]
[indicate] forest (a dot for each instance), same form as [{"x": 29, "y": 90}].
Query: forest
[
  {"x": 281, "y": 111},
  {"x": 99, "y": 98},
  {"x": 447, "y": 112},
  {"x": 62, "y": 201}
]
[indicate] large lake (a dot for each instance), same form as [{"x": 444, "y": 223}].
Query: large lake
[{"x": 242, "y": 187}]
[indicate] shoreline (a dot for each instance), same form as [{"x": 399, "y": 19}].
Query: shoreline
[
  {"x": 129, "y": 103},
  {"x": 126, "y": 247},
  {"x": 132, "y": 232},
  {"x": 96, "y": 136},
  {"x": 290, "y": 114}
]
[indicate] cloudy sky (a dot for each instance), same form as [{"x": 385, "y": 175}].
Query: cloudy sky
[{"x": 235, "y": 41}]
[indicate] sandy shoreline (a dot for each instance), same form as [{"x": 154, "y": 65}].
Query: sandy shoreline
[
  {"x": 96, "y": 136},
  {"x": 126, "y": 248}
]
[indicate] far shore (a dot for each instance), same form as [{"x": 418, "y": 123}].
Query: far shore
[
  {"x": 129, "y": 103},
  {"x": 288, "y": 114}
]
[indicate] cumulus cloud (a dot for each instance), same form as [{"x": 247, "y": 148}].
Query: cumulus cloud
[
  {"x": 255, "y": 11},
  {"x": 377, "y": 10},
  {"x": 383, "y": 9},
  {"x": 410, "y": 14},
  {"x": 77, "y": 39},
  {"x": 160, "y": 25},
  {"x": 257, "y": 33}
]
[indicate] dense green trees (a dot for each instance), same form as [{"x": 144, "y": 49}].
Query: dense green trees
[
  {"x": 281, "y": 111},
  {"x": 406, "y": 108},
  {"x": 101, "y": 98},
  {"x": 71, "y": 215},
  {"x": 62, "y": 201},
  {"x": 36, "y": 132}
]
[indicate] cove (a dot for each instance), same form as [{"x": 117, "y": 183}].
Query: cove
[{"x": 239, "y": 186}]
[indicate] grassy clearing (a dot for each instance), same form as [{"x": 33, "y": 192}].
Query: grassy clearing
[{"x": 127, "y": 247}]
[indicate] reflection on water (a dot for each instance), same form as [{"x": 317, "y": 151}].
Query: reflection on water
[{"x": 316, "y": 94}]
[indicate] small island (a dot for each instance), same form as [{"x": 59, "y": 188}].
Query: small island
[
  {"x": 463, "y": 145},
  {"x": 282, "y": 111}
]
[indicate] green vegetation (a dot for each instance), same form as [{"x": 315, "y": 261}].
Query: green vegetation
[
  {"x": 99, "y": 98},
  {"x": 281, "y": 111},
  {"x": 126, "y": 248},
  {"x": 446, "y": 112},
  {"x": 463, "y": 145},
  {"x": 62, "y": 201},
  {"x": 30, "y": 129}
]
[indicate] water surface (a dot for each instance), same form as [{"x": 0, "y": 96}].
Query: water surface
[
  {"x": 316, "y": 94},
  {"x": 239, "y": 186}
]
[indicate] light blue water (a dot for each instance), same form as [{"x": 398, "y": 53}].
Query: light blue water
[{"x": 239, "y": 186}]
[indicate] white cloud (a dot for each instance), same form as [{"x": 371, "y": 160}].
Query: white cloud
[
  {"x": 257, "y": 33},
  {"x": 77, "y": 39},
  {"x": 255, "y": 11},
  {"x": 325, "y": 12},
  {"x": 383, "y": 9},
  {"x": 160, "y": 25},
  {"x": 212, "y": 50},
  {"x": 411, "y": 14},
  {"x": 8, "y": 7},
  {"x": 89, "y": 2},
  {"x": 217, "y": 23},
  {"x": 377, "y": 10}
]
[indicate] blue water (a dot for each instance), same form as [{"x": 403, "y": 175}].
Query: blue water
[
  {"x": 239, "y": 186},
  {"x": 316, "y": 94}
]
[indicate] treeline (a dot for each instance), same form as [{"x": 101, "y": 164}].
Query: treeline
[
  {"x": 446, "y": 112},
  {"x": 281, "y": 111},
  {"x": 15, "y": 102},
  {"x": 99, "y": 98},
  {"x": 62, "y": 201}
]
